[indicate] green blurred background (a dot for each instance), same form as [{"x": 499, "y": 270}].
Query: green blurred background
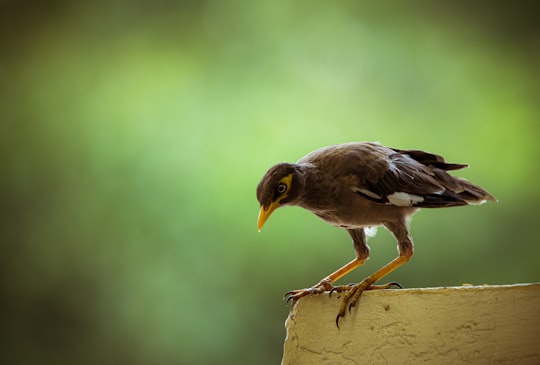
[{"x": 133, "y": 135}]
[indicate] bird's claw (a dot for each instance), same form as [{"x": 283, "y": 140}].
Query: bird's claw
[
  {"x": 354, "y": 292},
  {"x": 321, "y": 287},
  {"x": 294, "y": 295},
  {"x": 386, "y": 286},
  {"x": 352, "y": 296},
  {"x": 340, "y": 289}
]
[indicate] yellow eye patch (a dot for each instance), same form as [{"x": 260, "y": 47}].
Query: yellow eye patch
[{"x": 287, "y": 180}]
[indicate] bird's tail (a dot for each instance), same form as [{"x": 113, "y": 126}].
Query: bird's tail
[
  {"x": 471, "y": 193},
  {"x": 457, "y": 191}
]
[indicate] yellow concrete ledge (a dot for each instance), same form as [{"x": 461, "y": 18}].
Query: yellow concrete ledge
[{"x": 454, "y": 325}]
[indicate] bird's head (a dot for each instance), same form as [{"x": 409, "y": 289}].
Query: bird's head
[{"x": 281, "y": 185}]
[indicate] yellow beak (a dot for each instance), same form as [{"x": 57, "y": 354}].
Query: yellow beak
[{"x": 264, "y": 213}]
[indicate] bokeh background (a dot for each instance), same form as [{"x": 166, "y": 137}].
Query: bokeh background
[{"x": 133, "y": 135}]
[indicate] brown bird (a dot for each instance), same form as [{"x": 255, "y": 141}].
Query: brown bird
[{"x": 360, "y": 185}]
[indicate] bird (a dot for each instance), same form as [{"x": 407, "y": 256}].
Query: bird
[{"x": 358, "y": 186}]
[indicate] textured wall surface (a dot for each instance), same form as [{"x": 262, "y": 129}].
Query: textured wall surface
[{"x": 457, "y": 325}]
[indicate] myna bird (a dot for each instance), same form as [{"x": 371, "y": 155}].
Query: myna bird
[{"x": 360, "y": 185}]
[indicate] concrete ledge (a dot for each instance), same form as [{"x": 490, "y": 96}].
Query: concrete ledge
[{"x": 454, "y": 325}]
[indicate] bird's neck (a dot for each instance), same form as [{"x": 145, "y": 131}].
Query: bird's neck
[{"x": 309, "y": 198}]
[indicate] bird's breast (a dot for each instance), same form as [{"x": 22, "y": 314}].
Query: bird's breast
[{"x": 358, "y": 212}]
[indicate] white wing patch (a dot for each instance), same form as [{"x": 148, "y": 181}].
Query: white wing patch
[
  {"x": 403, "y": 199},
  {"x": 369, "y": 193}
]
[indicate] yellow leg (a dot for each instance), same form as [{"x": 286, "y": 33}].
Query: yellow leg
[
  {"x": 353, "y": 295},
  {"x": 342, "y": 271},
  {"x": 362, "y": 253},
  {"x": 326, "y": 284}
]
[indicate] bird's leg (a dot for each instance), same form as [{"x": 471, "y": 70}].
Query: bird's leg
[
  {"x": 405, "y": 247},
  {"x": 362, "y": 253},
  {"x": 325, "y": 284}
]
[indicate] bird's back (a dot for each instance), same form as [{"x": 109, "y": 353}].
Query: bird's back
[{"x": 405, "y": 178}]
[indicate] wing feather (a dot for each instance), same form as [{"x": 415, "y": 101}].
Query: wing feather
[{"x": 416, "y": 179}]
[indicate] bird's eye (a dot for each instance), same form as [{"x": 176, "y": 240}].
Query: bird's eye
[{"x": 281, "y": 188}]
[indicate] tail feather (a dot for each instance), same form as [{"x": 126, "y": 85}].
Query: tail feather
[
  {"x": 473, "y": 194},
  {"x": 458, "y": 191}
]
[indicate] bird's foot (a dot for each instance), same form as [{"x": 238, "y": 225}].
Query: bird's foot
[
  {"x": 320, "y": 287},
  {"x": 354, "y": 292}
]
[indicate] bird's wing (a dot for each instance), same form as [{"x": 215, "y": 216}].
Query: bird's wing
[
  {"x": 412, "y": 178},
  {"x": 407, "y": 178}
]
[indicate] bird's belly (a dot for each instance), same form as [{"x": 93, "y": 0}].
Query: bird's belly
[
  {"x": 347, "y": 220},
  {"x": 360, "y": 213}
]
